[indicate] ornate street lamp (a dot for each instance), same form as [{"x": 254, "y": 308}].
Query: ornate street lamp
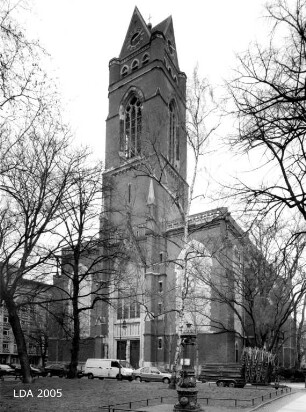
[
  {"x": 187, "y": 391},
  {"x": 123, "y": 326}
]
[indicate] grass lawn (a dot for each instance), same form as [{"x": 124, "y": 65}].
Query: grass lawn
[{"x": 56, "y": 394}]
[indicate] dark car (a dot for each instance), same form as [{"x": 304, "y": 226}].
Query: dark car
[
  {"x": 151, "y": 374},
  {"x": 56, "y": 369},
  {"x": 61, "y": 370},
  {"x": 6, "y": 370},
  {"x": 35, "y": 371}
]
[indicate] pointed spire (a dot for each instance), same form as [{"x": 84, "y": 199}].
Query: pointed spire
[
  {"x": 166, "y": 27},
  {"x": 137, "y": 35},
  {"x": 151, "y": 194}
]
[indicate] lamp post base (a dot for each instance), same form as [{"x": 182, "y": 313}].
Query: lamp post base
[{"x": 187, "y": 400}]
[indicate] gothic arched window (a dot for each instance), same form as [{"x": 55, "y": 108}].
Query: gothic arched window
[
  {"x": 131, "y": 128},
  {"x": 135, "y": 65},
  {"x": 124, "y": 71},
  {"x": 145, "y": 59},
  {"x": 173, "y": 142}
]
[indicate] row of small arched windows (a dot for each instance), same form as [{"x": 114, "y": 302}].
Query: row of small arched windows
[
  {"x": 135, "y": 65},
  {"x": 170, "y": 71}
]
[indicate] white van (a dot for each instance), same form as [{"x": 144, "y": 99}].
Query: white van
[{"x": 106, "y": 368}]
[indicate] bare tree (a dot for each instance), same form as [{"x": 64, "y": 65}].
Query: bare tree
[
  {"x": 35, "y": 166},
  {"x": 157, "y": 166},
  {"x": 89, "y": 250},
  {"x": 268, "y": 92},
  {"x": 299, "y": 320},
  {"x": 39, "y": 333},
  {"x": 31, "y": 195},
  {"x": 262, "y": 282}
]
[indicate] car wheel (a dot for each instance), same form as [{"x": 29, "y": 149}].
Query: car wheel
[
  {"x": 119, "y": 378},
  {"x": 138, "y": 379},
  {"x": 166, "y": 380},
  {"x": 61, "y": 376},
  {"x": 90, "y": 376},
  {"x": 220, "y": 384},
  {"x": 231, "y": 384}
]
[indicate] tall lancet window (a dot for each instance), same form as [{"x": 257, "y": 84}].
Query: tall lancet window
[
  {"x": 173, "y": 142},
  {"x": 131, "y": 128}
]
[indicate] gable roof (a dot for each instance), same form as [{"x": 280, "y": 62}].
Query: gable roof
[
  {"x": 166, "y": 27},
  {"x": 141, "y": 32},
  {"x": 163, "y": 26},
  {"x": 137, "y": 23}
]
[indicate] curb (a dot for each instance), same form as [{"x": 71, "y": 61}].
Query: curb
[{"x": 271, "y": 401}]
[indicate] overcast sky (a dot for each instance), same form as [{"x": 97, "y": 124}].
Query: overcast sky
[{"x": 83, "y": 35}]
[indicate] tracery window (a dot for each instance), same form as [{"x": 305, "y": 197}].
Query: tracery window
[
  {"x": 128, "y": 308},
  {"x": 173, "y": 142},
  {"x": 131, "y": 128}
]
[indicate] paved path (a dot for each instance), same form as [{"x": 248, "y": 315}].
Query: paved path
[
  {"x": 298, "y": 404},
  {"x": 291, "y": 403}
]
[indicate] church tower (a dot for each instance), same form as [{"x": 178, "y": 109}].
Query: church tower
[
  {"x": 147, "y": 93},
  {"x": 145, "y": 142}
]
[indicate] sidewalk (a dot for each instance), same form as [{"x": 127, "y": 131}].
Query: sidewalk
[{"x": 296, "y": 405}]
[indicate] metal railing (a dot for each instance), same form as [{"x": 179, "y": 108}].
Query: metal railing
[
  {"x": 208, "y": 401},
  {"x": 246, "y": 402},
  {"x": 147, "y": 402}
]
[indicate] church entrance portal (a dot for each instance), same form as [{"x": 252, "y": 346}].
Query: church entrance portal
[
  {"x": 121, "y": 350},
  {"x": 134, "y": 353}
]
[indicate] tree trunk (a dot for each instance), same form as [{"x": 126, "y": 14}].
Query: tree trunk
[
  {"x": 74, "y": 360},
  {"x": 20, "y": 340},
  {"x": 299, "y": 334},
  {"x": 44, "y": 349},
  {"x": 183, "y": 292}
]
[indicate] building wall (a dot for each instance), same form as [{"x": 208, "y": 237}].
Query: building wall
[
  {"x": 34, "y": 323},
  {"x": 148, "y": 223}
]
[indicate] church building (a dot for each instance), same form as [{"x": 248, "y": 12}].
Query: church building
[
  {"x": 146, "y": 163},
  {"x": 144, "y": 199}
]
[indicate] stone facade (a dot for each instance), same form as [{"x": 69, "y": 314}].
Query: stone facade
[
  {"x": 145, "y": 138},
  {"x": 146, "y": 163}
]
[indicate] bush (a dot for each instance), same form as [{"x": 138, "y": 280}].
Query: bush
[{"x": 295, "y": 375}]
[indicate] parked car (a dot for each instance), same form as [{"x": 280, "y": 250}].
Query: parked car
[
  {"x": 6, "y": 370},
  {"x": 106, "y": 368},
  {"x": 56, "y": 369},
  {"x": 35, "y": 371},
  {"x": 151, "y": 374},
  {"x": 125, "y": 364}
]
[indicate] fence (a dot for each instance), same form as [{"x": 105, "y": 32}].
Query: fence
[
  {"x": 146, "y": 402},
  {"x": 209, "y": 401}
]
